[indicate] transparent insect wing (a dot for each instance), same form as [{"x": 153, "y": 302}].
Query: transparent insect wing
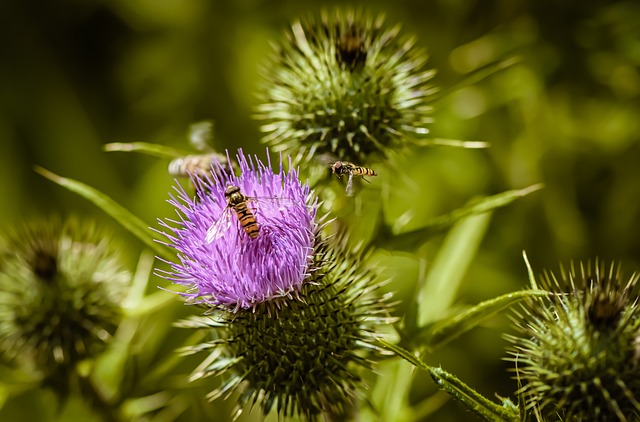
[
  {"x": 270, "y": 203},
  {"x": 201, "y": 135},
  {"x": 326, "y": 159},
  {"x": 220, "y": 226},
  {"x": 257, "y": 205},
  {"x": 350, "y": 185}
]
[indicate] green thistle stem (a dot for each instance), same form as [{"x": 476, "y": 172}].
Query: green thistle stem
[{"x": 474, "y": 401}]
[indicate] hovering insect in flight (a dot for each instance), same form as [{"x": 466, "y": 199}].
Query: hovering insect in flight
[
  {"x": 198, "y": 164},
  {"x": 341, "y": 168},
  {"x": 200, "y": 137},
  {"x": 237, "y": 202}
]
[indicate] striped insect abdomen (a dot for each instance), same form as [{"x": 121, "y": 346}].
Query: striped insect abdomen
[
  {"x": 363, "y": 171},
  {"x": 247, "y": 219}
]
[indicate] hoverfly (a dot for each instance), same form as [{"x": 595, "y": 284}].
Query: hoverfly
[
  {"x": 199, "y": 164},
  {"x": 340, "y": 168},
  {"x": 237, "y": 202},
  {"x": 200, "y": 137}
]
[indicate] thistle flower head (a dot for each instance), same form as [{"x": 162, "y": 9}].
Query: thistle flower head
[
  {"x": 239, "y": 251},
  {"x": 303, "y": 358},
  {"x": 60, "y": 289},
  {"x": 345, "y": 86},
  {"x": 291, "y": 317},
  {"x": 578, "y": 354}
]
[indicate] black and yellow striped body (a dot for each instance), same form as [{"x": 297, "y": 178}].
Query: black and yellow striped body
[
  {"x": 238, "y": 202},
  {"x": 342, "y": 168}
]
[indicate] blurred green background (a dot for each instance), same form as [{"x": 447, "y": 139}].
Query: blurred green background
[{"x": 78, "y": 74}]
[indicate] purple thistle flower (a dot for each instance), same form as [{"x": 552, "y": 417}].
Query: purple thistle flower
[{"x": 232, "y": 269}]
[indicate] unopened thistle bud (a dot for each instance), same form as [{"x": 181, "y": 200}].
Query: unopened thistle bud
[
  {"x": 291, "y": 317},
  {"x": 347, "y": 87},
  {"x": 578, "y": 353},
  {"x": 61, "y": 285}
]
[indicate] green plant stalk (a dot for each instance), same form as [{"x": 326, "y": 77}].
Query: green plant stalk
[{"x": 474, "y": 401}]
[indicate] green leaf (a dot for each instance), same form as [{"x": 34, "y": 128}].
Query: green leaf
[
  {"x": 129, "y": 221},
  {"x": 475, "y": 402},
  {"x": 412, "y": 239},
  {"x": 447, "y": 271},
  {"x": 135, "y": 407},
  {"x": 154, "y": 150},
  {"x": 481, "y": 74},
  {"x": 390, "y": 396},
  {"x": 430, "y": 405},
  {"x": 485, "y": 204},
  {"x": 532, "y": 277},
  {"x": 443, "y": 331}
]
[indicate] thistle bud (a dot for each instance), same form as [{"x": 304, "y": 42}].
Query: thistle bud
[
  {"x": 292, "y": 317},
  {"x": 345, "y": 86},
  {"x": 61, "y": 285},
  {"x": 577, "y": 355}
]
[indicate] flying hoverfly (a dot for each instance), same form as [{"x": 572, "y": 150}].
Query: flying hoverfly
[
  {"x": 341, "y": 168},
  {"x": 237, "y": 202},
  {"x": 198, "y": 164},
  {"x": 200, "y": 137}
]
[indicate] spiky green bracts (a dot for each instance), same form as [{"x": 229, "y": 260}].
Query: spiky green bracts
[
  {"x": 578, "y": 354},
  {"x": 301, "y": 356},
  {"x": 61, "y": 285},
  {"x": 346, "y": 87}
]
